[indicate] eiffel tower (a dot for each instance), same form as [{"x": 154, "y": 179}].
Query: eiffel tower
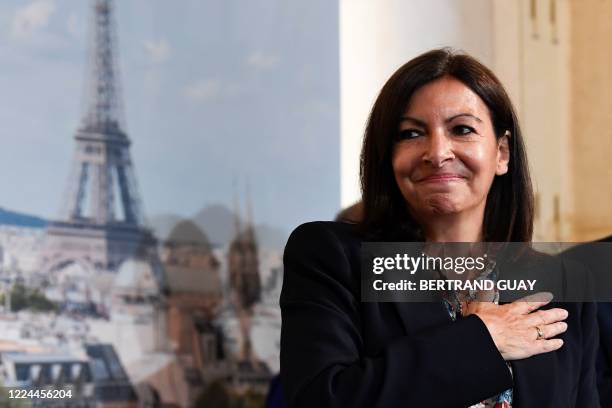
[{"x": 101, "y": 223}]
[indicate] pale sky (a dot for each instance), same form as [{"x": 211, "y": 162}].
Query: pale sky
[{"x": 214, "y": 90}]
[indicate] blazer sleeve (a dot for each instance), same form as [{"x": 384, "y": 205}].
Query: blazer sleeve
[{"x": 322, "y": 361}]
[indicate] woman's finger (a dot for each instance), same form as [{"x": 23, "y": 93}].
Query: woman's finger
[
  {"x": 530, "y": 303},
  {"x": 549, "y": 331},
  {"x": 544, "y": 346},
  {"x": 544, "y": 317}
]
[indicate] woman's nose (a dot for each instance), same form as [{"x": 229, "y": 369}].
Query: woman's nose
[{"x": 438, "y": 149}]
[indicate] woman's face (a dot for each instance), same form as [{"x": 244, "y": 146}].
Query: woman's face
[{"x": 447, "y": 154}]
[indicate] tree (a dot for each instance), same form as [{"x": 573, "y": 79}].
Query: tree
[{"x": 25, "y": 298}]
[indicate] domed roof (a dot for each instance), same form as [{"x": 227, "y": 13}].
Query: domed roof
[
  {"x": 188, "y": 232},
  {"x": 136, "y": 276}
]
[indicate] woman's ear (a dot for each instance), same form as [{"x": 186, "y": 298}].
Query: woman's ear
[{"x": 503, "y": 153}]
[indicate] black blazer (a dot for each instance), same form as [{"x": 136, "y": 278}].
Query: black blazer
[{"x": 339, "y": 352}]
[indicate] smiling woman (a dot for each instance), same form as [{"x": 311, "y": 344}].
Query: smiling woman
[
  {"x": 456, "y": 140},
  {"x": 450, "y": 112},
  {"x": 442, "y": 161}
]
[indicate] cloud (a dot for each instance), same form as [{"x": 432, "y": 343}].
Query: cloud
[
  {"x": 209, "y": 89},
  {"x": 159, "y": 51},
  {"x": 263, "y": 61},
  {"x": 31, "y": 19},
  {"x": 203, "y": 89}
]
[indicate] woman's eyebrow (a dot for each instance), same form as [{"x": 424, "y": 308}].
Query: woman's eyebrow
[
  {"x": 463, "y": 114},
  {"x": 416, "y": 121}
]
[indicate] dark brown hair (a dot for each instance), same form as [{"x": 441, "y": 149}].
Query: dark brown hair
[{"x": 509, "y": 207}]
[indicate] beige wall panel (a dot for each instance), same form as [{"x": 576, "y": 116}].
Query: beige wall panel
[{"x": 591, "y": 130}]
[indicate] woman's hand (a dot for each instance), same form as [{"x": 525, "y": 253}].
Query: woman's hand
[{"x": 518, "y": 330}]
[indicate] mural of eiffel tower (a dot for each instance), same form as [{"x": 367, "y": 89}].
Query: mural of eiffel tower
[{"x": 101, "y": 223}]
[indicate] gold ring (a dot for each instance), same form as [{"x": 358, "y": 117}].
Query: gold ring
[{"x": 540, "y": 333}]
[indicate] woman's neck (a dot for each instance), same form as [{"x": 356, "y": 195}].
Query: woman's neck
[{"x": 462, "y": 227}]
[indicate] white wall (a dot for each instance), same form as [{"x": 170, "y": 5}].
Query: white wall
[{"x": 378, "y": 36}]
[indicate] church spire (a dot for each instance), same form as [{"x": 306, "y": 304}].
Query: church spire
[
  {"x": 250, "y": 228},
  {"x": 237, "y": 224}
]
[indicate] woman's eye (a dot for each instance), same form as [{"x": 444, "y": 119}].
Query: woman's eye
[
  {"x": 409, "y": 134},
  {"x": 463, "y": 130}
]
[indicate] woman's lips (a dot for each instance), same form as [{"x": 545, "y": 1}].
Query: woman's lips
[{"x": 441, "y": 178}]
